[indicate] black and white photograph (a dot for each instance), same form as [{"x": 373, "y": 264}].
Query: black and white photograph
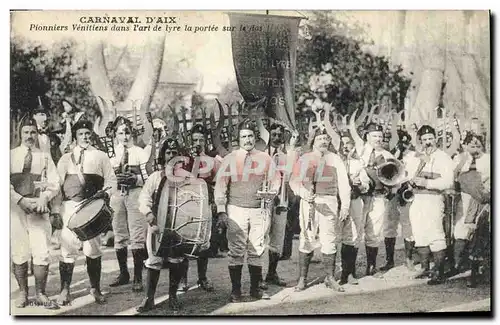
[{"x": 250, "y": 162}]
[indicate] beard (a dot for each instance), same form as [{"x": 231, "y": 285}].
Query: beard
[
  {"x": 276, "y": 143},
  {"x": 197, "y": 150},
  {"x": 323, "y": 148},
  {"x": 29, "y": 142},
  {"x": 248, "y": 145}
]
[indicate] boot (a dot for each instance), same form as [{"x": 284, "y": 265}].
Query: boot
[
  {"x": 255, "y": 279},
  {"x": 124, "y": 277},
  {"x": 345, "y": 263},
  {"x": 94, "y": 271},
  {"x": 352, "y": 266},
  {"x": 148, "y": 303},
  {"x": 183, "y": 281},
  {"x": 66, "y": 274},
  {"x": 203, "y": 282},
  {"x": 139, "y": 257},
  {"x": 31, "y": 267},
  {"x": 287, "y": 246},
  {"x": 329, "y": 267},
  {"x": 438, "y": 272},
  {"x": 41, "y": 273},
  {"x": 348, "y": 256},
  {"x": 458, "y": 252},
  {"x": 371, "y": 261},
  {"x": 262, "y": 284},
  {"x": 390, "y": 243},
  {"x": 21, "y": 274},
  {"x": 472, "y": 280},
  {"x": 424, "y": 253},
  {"x": 176, "y": 272},
  {"x": 409, "y": 246},
  {"x": 235, "y": 274},
  {"x": 304, "y": 261},
  {"x": 272, "y": 276}
]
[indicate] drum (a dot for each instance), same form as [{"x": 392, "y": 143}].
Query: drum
[
  {"x": 185, "y": 219},
  {"x": 91, "y": 218}
]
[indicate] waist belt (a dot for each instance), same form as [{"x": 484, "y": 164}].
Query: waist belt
[
  {"x": 378, "y": 192},
  {"x": 76, "y": 199},
  {"x": 427, "y": 191},
  {"x": 129, "y": 187}
]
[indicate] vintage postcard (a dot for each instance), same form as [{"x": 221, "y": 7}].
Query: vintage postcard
[{"x": 249, "y": 162}]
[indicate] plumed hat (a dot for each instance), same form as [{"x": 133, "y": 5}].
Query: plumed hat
[
  {"x": 81, "y": 124},
  {"x": 40, "y": 108},
  {"x": 168, "y": 144},
  {"x": 373, "y": 127},
  {"x": 27, "y": 120},
  {"x": 121, "y": 120},
  {"x": 426, "y": 129},
  {"x": 247, "y": 124}
]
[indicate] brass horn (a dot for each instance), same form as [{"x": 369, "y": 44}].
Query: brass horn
[
  {"x": 407, "y": 194},
  {"x": 391, "y": 172}
]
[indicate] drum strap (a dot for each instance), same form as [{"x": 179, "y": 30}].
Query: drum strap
[{"x": 157, "y": 197}]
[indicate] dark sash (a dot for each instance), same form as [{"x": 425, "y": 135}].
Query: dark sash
[{"x": 24, "y": 184}]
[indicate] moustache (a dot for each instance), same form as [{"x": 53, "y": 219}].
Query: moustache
[{"x": 428, "y": 145}]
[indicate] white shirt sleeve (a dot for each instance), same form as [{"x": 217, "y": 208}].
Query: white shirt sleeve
[
  {"x": 53, "y": 182},
  {"x": 108, "y": 174},
  {"x": 147, "y": 192},
  {"x": 442, "y": 165}
]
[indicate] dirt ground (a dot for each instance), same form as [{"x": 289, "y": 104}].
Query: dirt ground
[{"x": 395, "y": 293}]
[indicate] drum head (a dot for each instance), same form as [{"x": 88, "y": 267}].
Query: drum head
[
  {"x": 186, "y": 217},
  {"x": 85, "y": 213}
]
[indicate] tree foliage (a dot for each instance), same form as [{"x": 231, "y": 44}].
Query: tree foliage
[
  {"x": 53, "y": 72},
  {"x": 333, "y": 67},
  {"x": 229, "y": 93}
]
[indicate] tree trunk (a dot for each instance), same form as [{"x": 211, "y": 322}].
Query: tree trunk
[
  {"x": 143, "y": 88},
  {"x": 100, "y": 84},
  {"x": 429, "y": 36},
  {"x": 146, "y": 80}
]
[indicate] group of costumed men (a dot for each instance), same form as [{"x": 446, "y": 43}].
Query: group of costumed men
[{"x": 336, "y": 192}]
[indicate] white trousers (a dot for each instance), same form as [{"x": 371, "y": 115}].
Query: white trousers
[
  {"x": 29, "y": 237},
  {"x": 70, "y": 244},
  {"x": 129, "y": 224},
  {"x": 153, "y": 262},
  {"x": 426, "y": 216},
  {"x": 277, "y": 232},
  {"x": 326, "y": 229},
  {"x": 461, "y": 230},
  {"x": 247, "y": 232},
  {"x": 375, "y": 209},
  {"x": 358, "y": 220},
  {"x": 395, "y": 215}
]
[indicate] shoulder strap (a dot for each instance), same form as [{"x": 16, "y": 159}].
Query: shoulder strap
[
  {"x": 79, "y": 173},
  {"x": 460, "y": 165}
]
